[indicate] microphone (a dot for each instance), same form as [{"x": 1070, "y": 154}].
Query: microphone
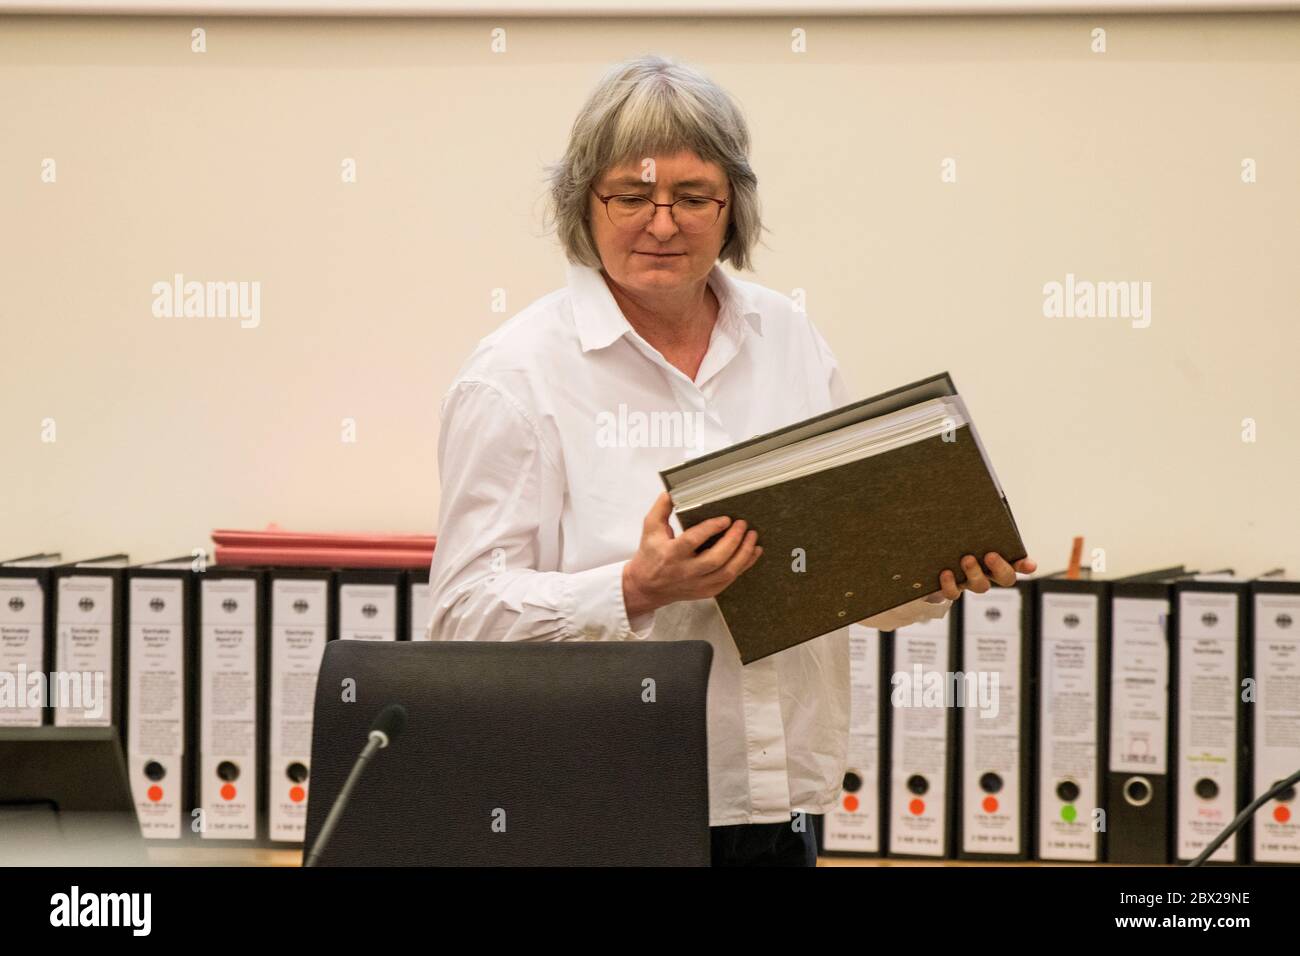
[
  {"x": 1245, "y": 815},
  {"x": 390, "y": 722}
]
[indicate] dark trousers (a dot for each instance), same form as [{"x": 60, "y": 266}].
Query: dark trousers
[{"x": 765, "y": 844}]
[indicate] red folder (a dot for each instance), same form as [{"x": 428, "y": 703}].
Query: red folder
[
  {"x": 275, "y": 538},
  {"x": 301, "y": 557}
]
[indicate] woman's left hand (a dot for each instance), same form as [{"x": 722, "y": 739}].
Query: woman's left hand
[{"x": 1001, "y": 573}]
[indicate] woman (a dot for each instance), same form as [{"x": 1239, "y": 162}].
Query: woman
[{"x": 550, "y": 452}]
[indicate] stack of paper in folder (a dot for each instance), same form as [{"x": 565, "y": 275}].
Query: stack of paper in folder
[
  {"x": 858, "y": 511},
  {"x": 312, "y": 550}
]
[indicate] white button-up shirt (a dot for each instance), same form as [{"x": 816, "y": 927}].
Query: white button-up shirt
[{"x": 553, "y": 436}]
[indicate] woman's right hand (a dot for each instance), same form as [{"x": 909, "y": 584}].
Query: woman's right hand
[{"x": 666, "y": 568}]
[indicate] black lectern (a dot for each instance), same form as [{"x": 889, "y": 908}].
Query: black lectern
[
  {"x": 65, "y": 799},
  {"x": 515, "y": 754}
]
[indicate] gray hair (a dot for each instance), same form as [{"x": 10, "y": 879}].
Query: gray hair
[{"x": 646, "y": 106}]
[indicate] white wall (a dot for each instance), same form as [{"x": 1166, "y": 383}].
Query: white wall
[{"x": 226, "y": 166}]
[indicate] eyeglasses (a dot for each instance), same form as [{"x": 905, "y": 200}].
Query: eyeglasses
[{"x": 691, "y": 213}]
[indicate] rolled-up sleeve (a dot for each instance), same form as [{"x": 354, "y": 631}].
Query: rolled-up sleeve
[{"x": 493, "y": 576}]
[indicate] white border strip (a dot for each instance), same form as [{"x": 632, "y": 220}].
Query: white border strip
[{"x": 629, "y": 8}]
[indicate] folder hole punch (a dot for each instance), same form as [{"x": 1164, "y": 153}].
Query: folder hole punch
[{"x": 1138, "y": 791}]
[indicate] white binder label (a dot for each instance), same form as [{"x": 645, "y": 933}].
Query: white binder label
[
  {"x": 82, "y": 683},
  {"x": 991, "y": 771},
  {"x": 1277, "y": 725},
  {"x": 919, "y": 737},
  {"x": 855, "y": 824},
  {"x": 228, "y": 770},
  {"x": 299, "y": 617},
  {"x": 1139, "y": 686},
  {"x": 1068, "y": 778},
  {"x": 1207, "y": 721},
  {"x": 156, "y": 704},
  {"x": 421, "y": 611},
  {"x": 22, "y": 651},
  {"x": 368, "y": 612}
]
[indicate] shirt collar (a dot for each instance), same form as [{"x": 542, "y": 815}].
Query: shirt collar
[{"x": 601, "y": 322}]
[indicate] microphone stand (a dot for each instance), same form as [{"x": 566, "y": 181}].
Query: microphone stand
[
  {"x": 378, "y": 740},
  {"x": 1243, "y": 816}
]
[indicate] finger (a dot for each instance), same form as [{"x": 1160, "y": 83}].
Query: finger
[
  {"x": 1026, "y": 566},
  {"x": 741, "y": 560},
  {"x": 975, "y": 579},
  {"x": 693, "y": 537},
  {"x": 1004, "y": 575},
  {"x": 720, "y": 552},
  {"x": 948, "y": 585},
  {"x": 656, "y": 519}
]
